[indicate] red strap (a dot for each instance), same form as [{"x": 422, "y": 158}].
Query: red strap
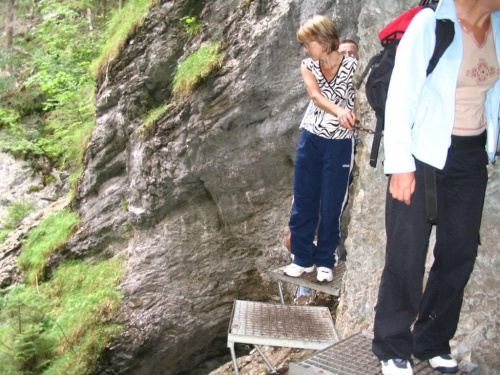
[{"x": 398, "y": 26}]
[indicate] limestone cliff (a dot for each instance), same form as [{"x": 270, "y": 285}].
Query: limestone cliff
[{"x": 199, "y": 208}]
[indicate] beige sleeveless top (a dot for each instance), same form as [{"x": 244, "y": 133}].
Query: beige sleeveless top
[{"x": 479, "y": 71}]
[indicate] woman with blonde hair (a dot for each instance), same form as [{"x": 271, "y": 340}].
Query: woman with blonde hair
[{"x": 324, "y": 157}]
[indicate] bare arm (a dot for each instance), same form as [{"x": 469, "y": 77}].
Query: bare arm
[{"x": 346, "y": 118}]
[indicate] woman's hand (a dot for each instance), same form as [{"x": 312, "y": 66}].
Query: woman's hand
[
  {"x": 346, "y": 118},
  {"x": 402, "y": 186}
]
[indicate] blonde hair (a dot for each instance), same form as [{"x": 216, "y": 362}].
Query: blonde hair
[{"x": 322, "y": 30}]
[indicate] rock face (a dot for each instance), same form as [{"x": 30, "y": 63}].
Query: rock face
[
  {"x": 199, "y": 206},
  {"x": 18, "y": 183}
]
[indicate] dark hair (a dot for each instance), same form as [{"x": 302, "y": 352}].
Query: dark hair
[
  {"x": 349, "y": 41},
  {"x": 322, "y": 30}
]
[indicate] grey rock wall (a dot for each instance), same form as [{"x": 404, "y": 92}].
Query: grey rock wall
[
  {"x": 18, "y": 184},
  {"x": 200, "y": 207}
]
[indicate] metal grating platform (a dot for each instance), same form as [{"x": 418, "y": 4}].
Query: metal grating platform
[
  {"x": 354, "y": 356},
  {"x": 309, "y": 279},
  {"x": 258, "y": 323}
]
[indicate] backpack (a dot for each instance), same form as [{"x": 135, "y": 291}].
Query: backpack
[{"x": 381, "y": 65}]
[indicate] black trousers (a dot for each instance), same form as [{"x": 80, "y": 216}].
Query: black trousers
[{"x": 461, "y": 188}]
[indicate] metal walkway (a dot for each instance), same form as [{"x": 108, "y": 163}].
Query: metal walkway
[
  {"x": 353, "y": 356},
  {"x": 309, "y": 280},
  {"x": 258, "y": 323}
]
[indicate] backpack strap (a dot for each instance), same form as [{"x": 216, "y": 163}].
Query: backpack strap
[
  {"x": 367, "y": 69},
  {"x": 445, "y": 32},
  {"x": 428, "y": 2},
  {"x": 430, "y": 194},
  {"x": 377, "y": 137}
]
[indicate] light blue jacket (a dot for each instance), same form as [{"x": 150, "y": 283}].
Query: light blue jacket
[{"x": 420, "y": 110}]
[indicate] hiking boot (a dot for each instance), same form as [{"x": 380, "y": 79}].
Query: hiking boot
[
  {"x": 294, "y": 270},
  {"x": 396, "y": 367},
  {"x": 324, "y": 275},
  {"x": 444, "y": 363}
]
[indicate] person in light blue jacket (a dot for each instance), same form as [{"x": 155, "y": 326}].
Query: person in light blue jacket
[{"x": 449, "y": 121}]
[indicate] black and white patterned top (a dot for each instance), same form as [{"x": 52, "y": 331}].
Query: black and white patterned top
[{"x": 339, "y": 90}]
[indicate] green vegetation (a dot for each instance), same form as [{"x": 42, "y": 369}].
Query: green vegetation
[
  {"x": 246, "y": 3},
  {"x": 16, "y": 212},
  {"x": 73, "y": 181},
  {"x": 119, "y": 29},
  {"x": 34, "y": 188},
  {"x": 191, "y": 26},
  {"x": 124, "y": 205},
  {"x": 8, "y": 117},
  {"x": 4, "y": 233},
  {"x": 61, "y": 325},
  {"x": 149, "y": 124},
  {"x": 60, "y": 322},
  {"x": 126, "y": 228},
  {"x": 64, "y": 325},
  {"x": 196, "y": 68},
  {"x": 46, "y": 108},
  {"x": 47, "y": 77},
  {"x": 52, "y": 233}
]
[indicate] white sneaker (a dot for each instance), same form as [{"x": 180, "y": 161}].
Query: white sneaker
[
  {"x": 444, "y": 363},
  {"x": 396, "y": 367},
  {"x": 324, "y": 274},
  {"x": 294, "y": 270}
]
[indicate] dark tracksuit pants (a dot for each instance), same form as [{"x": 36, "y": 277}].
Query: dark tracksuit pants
[
  {"x": 461, "y": 188},
  {"x": 321, "y": 179}
]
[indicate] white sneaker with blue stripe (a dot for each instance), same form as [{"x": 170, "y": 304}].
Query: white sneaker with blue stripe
[
  {"x": 396, "y": 367},
  {"x": 324, "y": 275},
  {"x": 444, "y": 363},
  {"x": 294, "y": 270}
]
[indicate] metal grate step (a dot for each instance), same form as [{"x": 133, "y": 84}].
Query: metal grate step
[
  {"x": 258, "y": 323},
  {"x": 309, "y": 279},
  {"x": 354, "y": 356}
]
